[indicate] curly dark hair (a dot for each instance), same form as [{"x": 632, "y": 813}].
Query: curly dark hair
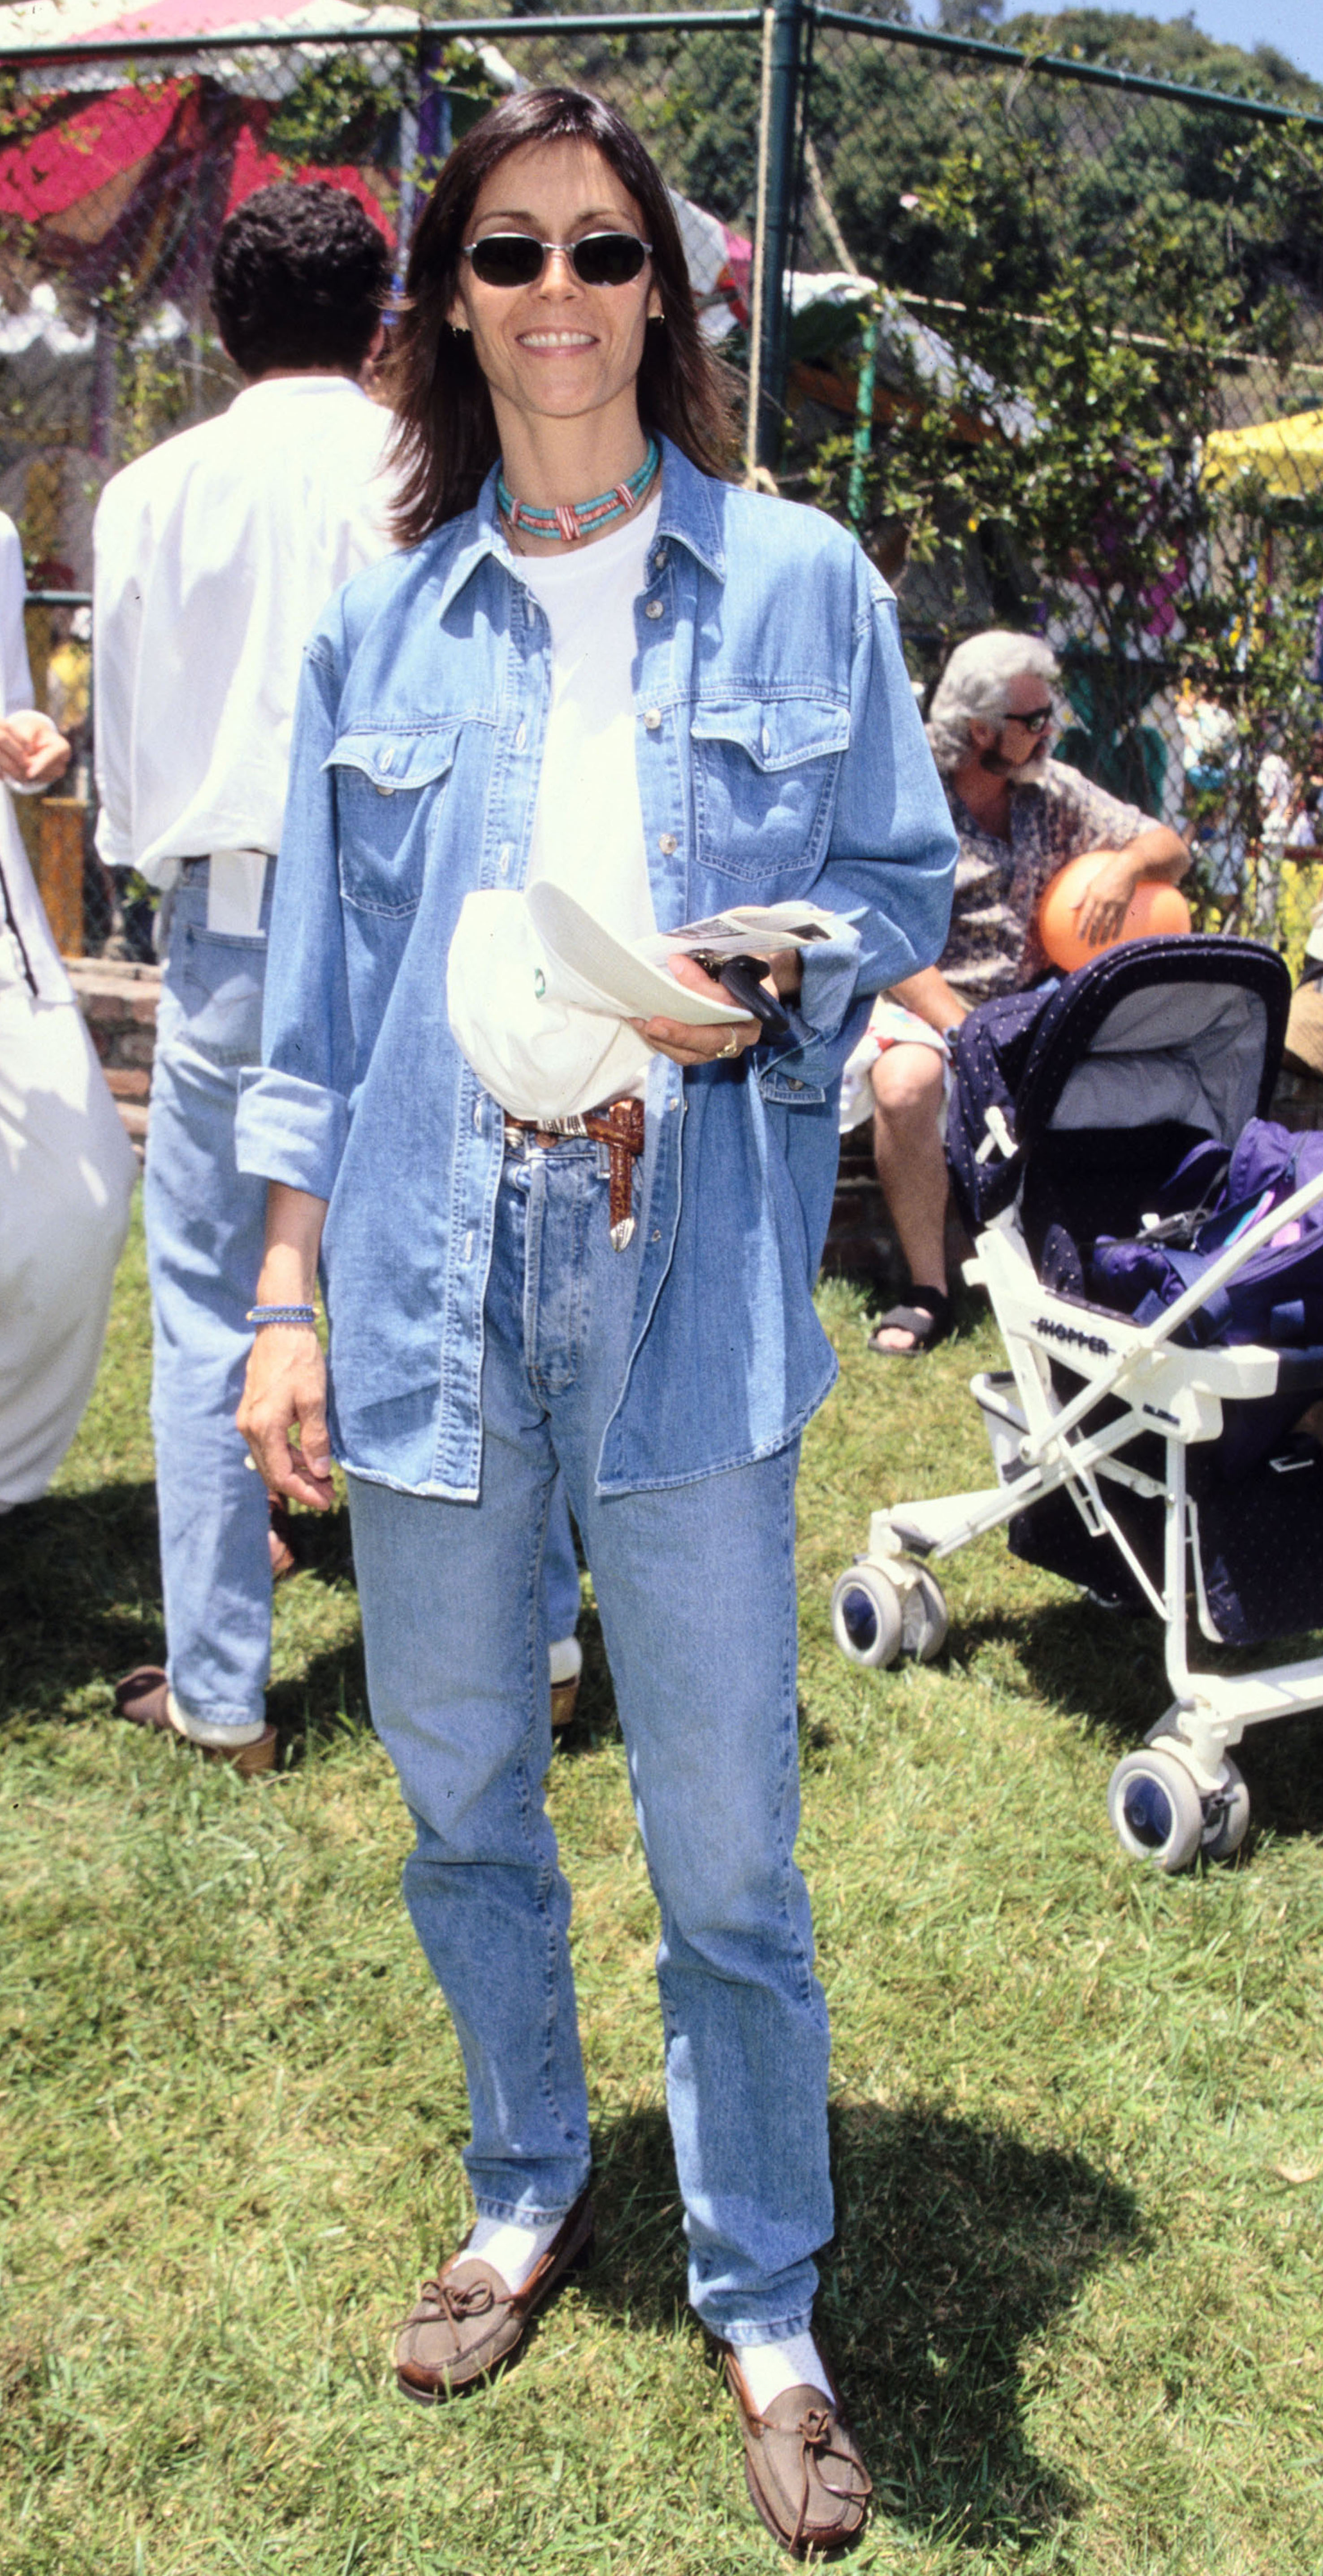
[
  {"x": 445, "y": 437},
  {"x": 300, "y": 279}
]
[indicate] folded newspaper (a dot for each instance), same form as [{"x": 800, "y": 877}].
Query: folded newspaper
[{"x": 630, "y": 978}]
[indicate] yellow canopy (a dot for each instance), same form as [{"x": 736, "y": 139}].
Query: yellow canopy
[{"x": 1287, "y": 455}]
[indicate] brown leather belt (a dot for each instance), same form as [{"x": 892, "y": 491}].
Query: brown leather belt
[{"x": 620, "y": 1127}]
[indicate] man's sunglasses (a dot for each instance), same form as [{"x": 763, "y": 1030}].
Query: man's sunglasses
[
  {"x": 518, "y": 259},
  {"x": 1036, "y": 721}
]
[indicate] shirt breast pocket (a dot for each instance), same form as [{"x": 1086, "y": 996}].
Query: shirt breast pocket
[
  {"x": 388, "y": 787},
  {"x": 765, "y": 772}
]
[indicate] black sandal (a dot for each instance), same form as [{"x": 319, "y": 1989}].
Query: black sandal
[{"x": 928, "y": 1317}]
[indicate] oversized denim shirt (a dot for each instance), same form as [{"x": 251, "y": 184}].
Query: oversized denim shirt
[{"x": 780, "y": 754}]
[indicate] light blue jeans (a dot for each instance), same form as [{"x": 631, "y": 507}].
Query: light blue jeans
[
  {"x": 695, "y": 1585},
  {"x": 560, "y": 1568},
  {"x": 205, "y": 1222},
  {"x": 205, "y": 1227}
]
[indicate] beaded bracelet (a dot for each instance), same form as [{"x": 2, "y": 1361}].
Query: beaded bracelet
[{"x": 260, "y": 1315}]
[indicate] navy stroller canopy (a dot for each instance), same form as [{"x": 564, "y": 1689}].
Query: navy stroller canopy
[{"x": 1178, "y": 1036}]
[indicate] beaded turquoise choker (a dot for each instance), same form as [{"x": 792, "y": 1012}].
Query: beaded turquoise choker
[{"x": 571, "y": 520}]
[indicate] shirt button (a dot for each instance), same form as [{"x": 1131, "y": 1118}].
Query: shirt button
[
  {"x": 477, "y": 1115},
  {"x": 654, "y": 609},
  {"x": 382, "y": 787},
  {"x": 767, "y": 740},
  {"x": 388, "y": 757},
  {"x": 521, "y": 737},
  {"x": 468, "y": 1245},
  {"x": 659, "y": 559},
  {"x": 667, "y": 845},
  {"x": 506, "y": 855},
  {"x": 653, "y": 719},
  {"x": 792, "y": 1084}
]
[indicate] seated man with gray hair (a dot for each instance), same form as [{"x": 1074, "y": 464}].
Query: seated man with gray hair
[{"x": 1019, "y": 816}]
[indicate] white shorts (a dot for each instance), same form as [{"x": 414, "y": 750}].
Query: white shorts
[{"x": 889, "y": 1024}]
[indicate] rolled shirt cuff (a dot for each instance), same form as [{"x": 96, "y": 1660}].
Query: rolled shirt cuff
[
  {"x": 290, "y": 1131},
  {"x": 820, "y": 1017}
]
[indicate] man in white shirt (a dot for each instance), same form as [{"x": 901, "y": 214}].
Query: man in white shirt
[{"x": 214, "y": 555}]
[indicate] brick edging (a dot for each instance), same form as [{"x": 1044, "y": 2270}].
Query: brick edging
[{"x": 118, "y": 1001}]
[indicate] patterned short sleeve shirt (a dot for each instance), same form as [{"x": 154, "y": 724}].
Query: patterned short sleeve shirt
[{"x": 992, "y": 946}]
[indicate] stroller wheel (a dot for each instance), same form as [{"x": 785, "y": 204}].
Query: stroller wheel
[
  {"x": 1227, "y": 1821},
  {"x": 924, "y": 1618},
  {"x": 866, "y": 1615},
  {"x": 1156, "y": 1810}
]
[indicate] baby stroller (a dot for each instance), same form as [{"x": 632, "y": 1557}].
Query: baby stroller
[{"x": 1145, "y": 1445}]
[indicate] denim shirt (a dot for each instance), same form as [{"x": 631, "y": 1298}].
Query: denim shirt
[{"x": 780, "y": 754}]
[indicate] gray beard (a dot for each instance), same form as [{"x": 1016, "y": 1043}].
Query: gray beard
[{"x": 1021, "y": 773}]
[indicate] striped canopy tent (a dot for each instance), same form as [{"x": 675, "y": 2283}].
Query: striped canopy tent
[{"x": 113, "y": 172}]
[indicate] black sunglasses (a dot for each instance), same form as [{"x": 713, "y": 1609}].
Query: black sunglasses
[
  {"x": 1037, "y": 720},
  {"x": 518, "y": 259}
]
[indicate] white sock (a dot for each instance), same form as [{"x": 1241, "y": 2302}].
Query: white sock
[
  {"x": 768, "y": 2369},
  {"x": 566, "y": 1659},
  {"x": 199, "y": 1730},
  {"x": 512, "y": 2251}
]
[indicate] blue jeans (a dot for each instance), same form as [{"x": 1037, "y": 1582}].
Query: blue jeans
[
  {"x": 205, "y": 1222},
  {"x": 560, "y": 1568},
  {"x": 695, "y": 1584}
]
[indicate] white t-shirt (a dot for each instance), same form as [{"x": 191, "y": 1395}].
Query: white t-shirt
[{"x": 588, "y": 823}]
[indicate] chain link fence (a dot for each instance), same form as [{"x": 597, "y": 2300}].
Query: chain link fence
[
  {"x": 1086, "y": 399},
  {"x": 1051, "y": 339},
  {"x": 117, "y": 170}
]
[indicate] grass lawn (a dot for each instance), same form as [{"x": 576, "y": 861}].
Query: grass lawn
[{"x": 1076, "y": 2295}]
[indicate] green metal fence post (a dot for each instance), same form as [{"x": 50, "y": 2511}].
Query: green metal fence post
[
  {"x": 787, "y": 56},
  {"x": 857, "y": 496}
]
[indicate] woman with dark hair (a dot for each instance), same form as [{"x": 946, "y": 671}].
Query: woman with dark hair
[{"x": 552, "y": 1238}]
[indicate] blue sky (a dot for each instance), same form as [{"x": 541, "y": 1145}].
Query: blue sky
[{"x": 1294, "y": 26}]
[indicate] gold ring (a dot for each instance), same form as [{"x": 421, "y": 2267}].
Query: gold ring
[{"x": 731, "y": 1047}]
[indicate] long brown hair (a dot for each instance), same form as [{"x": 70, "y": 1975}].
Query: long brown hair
[{"x": 445, "y": 438}]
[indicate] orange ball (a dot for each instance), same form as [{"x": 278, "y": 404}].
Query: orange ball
[{"x": 1155, "y": 911}]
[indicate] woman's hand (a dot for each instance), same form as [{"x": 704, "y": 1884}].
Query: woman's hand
[
  {"x": 686, "y": 1045},
  {"x": 284, "y": 1392},
  {"x": 33, "y": 751}
]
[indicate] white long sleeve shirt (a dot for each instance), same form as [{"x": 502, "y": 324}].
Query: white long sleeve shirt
[{"x": 214, "y": 555}]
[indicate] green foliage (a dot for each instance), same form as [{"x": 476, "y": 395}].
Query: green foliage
[
  {"x": 335, "y": 113},
  {"x": 1172, "y": 49},
  {"x": 969, "y": 17},
  {"x": 346, "y": 107},
  {"x": 152, "y": 398},
  {"x": 1092, "y": 271}
]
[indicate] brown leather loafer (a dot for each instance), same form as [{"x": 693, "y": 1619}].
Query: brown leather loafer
[
  {"x": 467, "y": 2322},
  {"x": 808, "y": 2483},
  {"x": 142, "y": 1697}
]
